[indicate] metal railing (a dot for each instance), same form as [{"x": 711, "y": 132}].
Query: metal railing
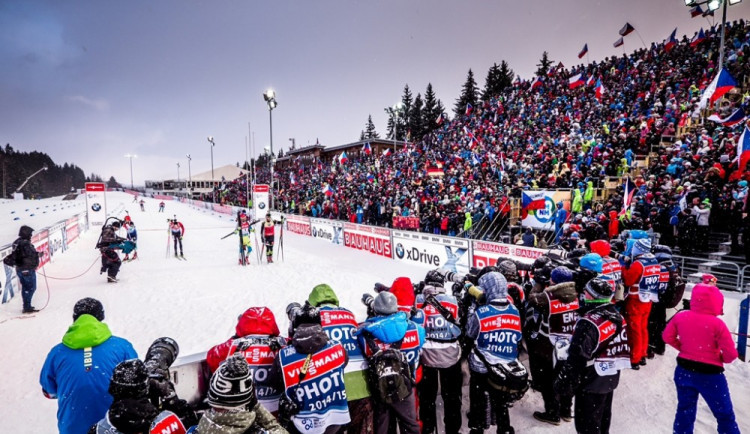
[
  {"x": 745, "y": 279},
  {"x": 727, "y": 273}
]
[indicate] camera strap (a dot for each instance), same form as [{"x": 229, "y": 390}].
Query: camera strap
[
  {"x": 445, "y": 313},
  {"x": 302, "y": 374}
]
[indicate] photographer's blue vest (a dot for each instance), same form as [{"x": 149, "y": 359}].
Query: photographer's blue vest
[
  {"x": 340, "y": 325},
  {"x": 499, "y": 332}
]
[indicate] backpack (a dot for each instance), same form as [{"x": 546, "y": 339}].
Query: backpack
[
  {"x": 389, "y": 373},
  {"x": 12, "y": 259}
]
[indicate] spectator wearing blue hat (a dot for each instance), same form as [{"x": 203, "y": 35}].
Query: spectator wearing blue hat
[{"x": 641, "y": 280}]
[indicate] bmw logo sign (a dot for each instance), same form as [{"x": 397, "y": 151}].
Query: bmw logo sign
[
  {"x": 96, "y": 207},
  {"x": 400, "y": 251},
  {"x": 314, "y": 231},
  {"x": 262, "y": 205}
]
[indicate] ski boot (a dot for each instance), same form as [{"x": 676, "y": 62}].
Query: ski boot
[
  {"x": 270, "y": 260},
  {"x": 126, "y": 258},
  {"x": 135, "y": 256}
]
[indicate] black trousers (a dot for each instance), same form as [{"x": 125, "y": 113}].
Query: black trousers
[
  {"x": 487, "y": 406},
  {"x": 405, "y": 413},
  {"x": 268, "y": 241},
  {"x": 544, "y": 374},
  {"x": 110, "y": 262},
  {"x": 450, "y": 381},
  {"x": 177, "y": 241},
  {"x": 657, "y": 321},
  {"x": 593, "y": 412}
]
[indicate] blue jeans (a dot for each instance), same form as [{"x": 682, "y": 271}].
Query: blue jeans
[
  {"x": 28, "y": 286},
  {"x": 714, "y": 390}
]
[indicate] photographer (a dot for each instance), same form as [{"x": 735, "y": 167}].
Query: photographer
[
  {"x": 234, "y": 404},
  {"x": 108, "y": 240},
  {"x": 441, "y": 355},
  {"x": 159, "y": 357},
  {"x": 256, "y": 334},
  {"x": 497, "y": 377},
  {"x": 310, "y": 364}
]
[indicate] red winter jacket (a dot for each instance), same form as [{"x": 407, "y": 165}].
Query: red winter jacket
[{"x": 255, "y": 321}]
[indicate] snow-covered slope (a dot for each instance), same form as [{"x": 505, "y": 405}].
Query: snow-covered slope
[
  {"x": 35, "y": 213},
  {"x": 197, "y": 302}
]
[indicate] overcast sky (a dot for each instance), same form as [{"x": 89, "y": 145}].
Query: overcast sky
[{"x": 89, "y": 81}]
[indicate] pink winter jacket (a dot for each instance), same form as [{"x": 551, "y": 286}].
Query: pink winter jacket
[{"x": 698, "y": 334}]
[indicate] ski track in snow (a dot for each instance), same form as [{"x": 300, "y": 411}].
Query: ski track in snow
[{"x": 197, "y": 301}]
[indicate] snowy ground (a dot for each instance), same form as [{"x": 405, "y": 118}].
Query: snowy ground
[
  {"x": 35, "y": 213},
  {"x": 197, "y": 302}
]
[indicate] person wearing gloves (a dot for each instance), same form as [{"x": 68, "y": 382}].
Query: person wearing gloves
[
  {"x": 77, "y": 371},
  {"x": 557, "y": 305},
  {"x": 388, "y": 328},
  {"x": 234, "y": 405},
  {"x": 310, "y": 371},
  {"x": 340, "y": 325},
  {"x": 257, "y": 339},
  {"x": 598, "y": 352},
  {"x": 641, "y": 281},
  {"x": 495, "y": 328},
  {"x": 705, "y": 345}
]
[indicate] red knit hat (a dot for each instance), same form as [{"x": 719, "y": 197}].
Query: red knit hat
[
  {"x": 404, "y": 292},
  {"x": 257, "y": 321}
]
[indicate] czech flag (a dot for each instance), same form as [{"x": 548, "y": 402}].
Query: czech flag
[
  {"x": 584, "y": 51},
  {"x": 475, "y": 159},
  {"x": 619, "y": 43},
  {"x": 743, "y": 148},
  {"x": 696, "y": 12},
  {"x": 698, "y": 38},
  {"x": 536, "y": 83},
  {"x": 387, "y": 152},
  {"x": 599, "y": 90},
  {"x": 471, "y": 136},
  {"x": 291, "y": 179},
  {"x": 327, "y": 190},
  {"x": 367, "y": 149},
  {"x": 735, "y": 118},
  {"x": 532, "y": 201},
  {"x": 591, "y": 81},
  {"x": 626, "y": 29},
  {"x": 469, "y": 109},
  {"x": 576, "y": 80},
  {"x": 343, "y": 158},
  {"x": 440, "y": 119},
  {"x": 629, "y": 188},
  {"x": 721, "y": 84},
  {"x": 672, "y": 41}
]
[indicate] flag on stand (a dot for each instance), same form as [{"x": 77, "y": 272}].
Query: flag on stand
[
  {"x": 327, "y": 190},
  {"x": 536, "y": 83},
  {"x": 626, "y": 29},
  {"x": 629, "y": 188},
  {"x": 576, "y": 80},
  {"x": 698, "y": 38},
  {"x": 584, "y": 51},
  {"x": 619, "y": 43},
  {"x": 343, "y": 158},
  {"x": 367, "y": 149},
  {"x": 735, "y": 118},
  {"x": 720, "y": 85},
  {"x": 469, "y": 108},
  {"x": 387, "y": 152},
  {"x": 696, "y": 12},
  {"x": 599, "y": 90},
  {"x": 672, "y": 41}
]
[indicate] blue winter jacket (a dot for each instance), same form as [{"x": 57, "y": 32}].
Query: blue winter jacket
[
  {"x": 393, "y": 328},
  {"x": 77, "y": 373}
]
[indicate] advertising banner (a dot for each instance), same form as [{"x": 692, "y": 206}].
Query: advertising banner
[
  {"x": 298, "y": 224},
  {"x": 55, "y": 239},
  {"x": 40, "y": 240},
  {"x": 486, "y": 253},
  {"x": 406, "y": 223},
  {"x": 539, "y": 208},
  {"x": 329, "y": 230},
  {"x": 96, "y": 203},
  {"x": 72, "y": 230},
  {"x": 261, "y": 200},
  {"x": 432, "y": 251},
  {"x": 372, "y": 239}
]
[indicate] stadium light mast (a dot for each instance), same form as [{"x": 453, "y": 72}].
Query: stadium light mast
[
  {"x": 131, "y": 156},
  {"x": 270, "y": 98},
  {"x": 712, "y": 6},
  {"x": 190, "y": 176},
  {"x": 213, "y": 190}
]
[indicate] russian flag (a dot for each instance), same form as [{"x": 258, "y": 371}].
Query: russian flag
[
  {"x": 370, "y": 178},
  {"x": 696, "y": 12},
  {"x": 721, "y": 84},
  {"x": 577, "y": 80},
  {"x": 387, "y": 152},
  {"x": 343, "y": 158},
  {"x": 629, "y": 188},
  {"x": 536, "y": 83},
  {"x": 698, "y": 38},
  {"x": 584, "y": 51},
  {"x": 327, "y": 190},
  {"x": 735, "y": 118},
  {"x": 599, "y": 90},
  {"x": 469, "y": 109},
  {"x": 367, "y": 149},
  {"x": 626, "y": 29},
  {"x": 672, "y": 41},
  {"x": 619, "y": 43}
]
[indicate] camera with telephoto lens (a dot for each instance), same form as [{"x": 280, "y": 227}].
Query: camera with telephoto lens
[
  {"x": 159, "y": 357},
  {"x": 299, "y": 314}
]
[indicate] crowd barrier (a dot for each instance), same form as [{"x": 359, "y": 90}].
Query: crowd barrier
[{"x": 50, "y": 242}]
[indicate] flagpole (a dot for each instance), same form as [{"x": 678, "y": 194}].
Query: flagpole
[{"x": 639, "y": 37}]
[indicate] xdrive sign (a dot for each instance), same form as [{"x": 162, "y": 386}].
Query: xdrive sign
[
  {"x": 431, "y": 251},
  {"x": 327, "y": 230}
]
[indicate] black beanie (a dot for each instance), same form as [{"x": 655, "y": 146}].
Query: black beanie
[
  {"x": 129, "y": 380},
  {"x": 132, "y": 416},
  {"x": 89, "y": 306},
  {"x": 232, "y": 385}
]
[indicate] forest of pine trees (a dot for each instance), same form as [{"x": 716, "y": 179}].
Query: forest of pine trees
[{"x": 56, "y": 180}]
